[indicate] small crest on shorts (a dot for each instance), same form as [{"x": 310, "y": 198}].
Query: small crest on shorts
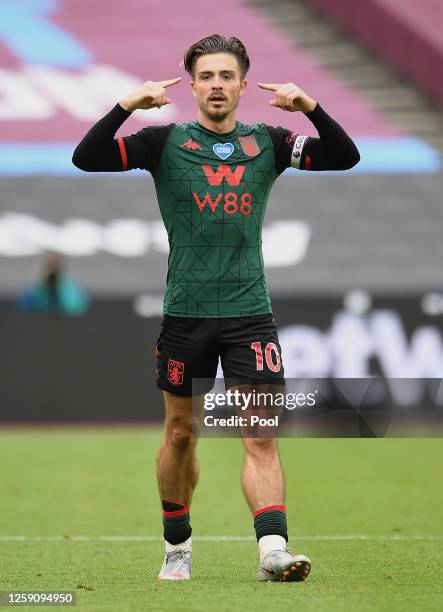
[
  {"x": 176, "y": 372},
  {"x": 249, "y": 145}
]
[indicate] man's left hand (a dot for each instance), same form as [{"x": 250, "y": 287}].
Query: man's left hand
[{"x": 289, "y": 97}]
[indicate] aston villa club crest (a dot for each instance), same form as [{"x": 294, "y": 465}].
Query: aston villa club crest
[
  {"x": 249, "y": 145},
  {"x": 176, "y": 372}
]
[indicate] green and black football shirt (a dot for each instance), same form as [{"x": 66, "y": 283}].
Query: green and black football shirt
[{"x": 212, "y": 192}]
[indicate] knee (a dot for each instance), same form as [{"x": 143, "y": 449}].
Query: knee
[
  {"x": 261, "y": 447},
  {"x": 180, "y": 434}
]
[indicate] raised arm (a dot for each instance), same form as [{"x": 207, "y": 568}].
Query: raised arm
[
  {"x": 333, "y": 150},
  {"x": 99, "y": 151}
]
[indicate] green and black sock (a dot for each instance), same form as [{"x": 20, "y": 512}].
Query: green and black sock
[
  {"x": 271, "y": 521},
  {"x": 176, "y": 522}
]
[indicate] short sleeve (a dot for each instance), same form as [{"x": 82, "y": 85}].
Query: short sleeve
[{"x": 144, "y": 148}]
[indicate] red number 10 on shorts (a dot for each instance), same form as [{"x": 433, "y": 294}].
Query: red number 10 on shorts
[{"x": 272, "y": 356}]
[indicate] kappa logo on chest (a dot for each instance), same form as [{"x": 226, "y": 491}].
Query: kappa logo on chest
[{"x": 191, "y": 145}]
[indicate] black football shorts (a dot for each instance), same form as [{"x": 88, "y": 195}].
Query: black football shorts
[{"x": 189, "y": 348}]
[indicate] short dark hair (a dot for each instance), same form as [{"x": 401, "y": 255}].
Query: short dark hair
[{"x": 216, "y": 43}]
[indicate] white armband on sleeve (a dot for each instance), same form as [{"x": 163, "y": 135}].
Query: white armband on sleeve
[{"x": 299, "y": 143}]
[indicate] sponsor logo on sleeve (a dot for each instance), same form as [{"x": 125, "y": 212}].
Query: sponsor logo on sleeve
[
  {"x": 297, "y": 149},
  {"x": 290, "y": 138}
]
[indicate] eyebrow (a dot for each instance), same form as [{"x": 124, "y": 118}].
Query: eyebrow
[{"x": 212, "y": 72}]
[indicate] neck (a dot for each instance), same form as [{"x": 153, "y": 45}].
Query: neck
[{"x": 220, "y": 127}]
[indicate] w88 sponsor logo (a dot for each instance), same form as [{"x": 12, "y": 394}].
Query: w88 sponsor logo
[{"x": 232, "y": 202}]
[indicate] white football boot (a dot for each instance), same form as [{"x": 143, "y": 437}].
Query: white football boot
[
  {"x": 177, "y": 565},
  {"x": 283, "y": 566}
]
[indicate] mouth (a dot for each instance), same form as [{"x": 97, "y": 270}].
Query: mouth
[{"x": 217, "y": 99}]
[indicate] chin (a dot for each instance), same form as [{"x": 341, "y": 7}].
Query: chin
[{"x": 217, "y": 116}]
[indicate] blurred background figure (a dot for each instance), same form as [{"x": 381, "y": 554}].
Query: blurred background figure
[{"x": 55, "y": 291}]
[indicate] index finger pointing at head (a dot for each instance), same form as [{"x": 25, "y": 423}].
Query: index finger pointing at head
[
  {"x": 170, "y": 82},
  {"x": 269, "y": 86}
]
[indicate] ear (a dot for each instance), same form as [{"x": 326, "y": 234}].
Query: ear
[
  {"x": 194, "y": 91},
  {"x": 243, "y": 86}
]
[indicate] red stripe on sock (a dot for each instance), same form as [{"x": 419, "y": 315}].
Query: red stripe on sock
[
  {"x": 307, "y": 163},
  {"x": 121, "y": 145},
  {"x": 180, "y": 512},
  {"x": 269, "y": 509}
]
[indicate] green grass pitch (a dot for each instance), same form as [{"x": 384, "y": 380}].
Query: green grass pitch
[{"x": 99, "y": 482}]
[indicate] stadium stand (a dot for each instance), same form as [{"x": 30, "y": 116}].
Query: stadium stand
[
  {"x": 395, "y": 96},
  {"x": 406, "y": 33}
]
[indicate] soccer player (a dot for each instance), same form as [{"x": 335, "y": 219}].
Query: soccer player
[{"x": 213, "y": 176}]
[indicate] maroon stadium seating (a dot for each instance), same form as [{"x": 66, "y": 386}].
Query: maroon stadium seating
[{"x": 408, "y": 33}]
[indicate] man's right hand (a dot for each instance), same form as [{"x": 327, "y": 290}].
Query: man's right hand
[{"x": 149, "y": 95}]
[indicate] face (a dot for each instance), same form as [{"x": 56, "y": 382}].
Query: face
[{"x": 217, "y": 85}]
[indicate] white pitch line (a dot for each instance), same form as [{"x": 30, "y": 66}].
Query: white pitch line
[{"x": 214, "y": 538}]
